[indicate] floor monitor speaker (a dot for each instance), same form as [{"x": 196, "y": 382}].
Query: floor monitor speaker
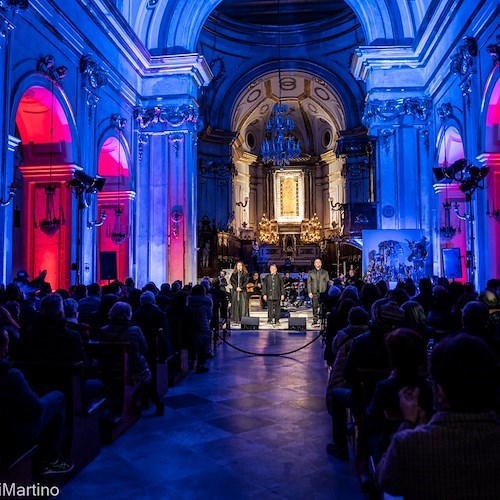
[
  {"x": 296, "y": 323},
  {"x": 248, "y": 323}
]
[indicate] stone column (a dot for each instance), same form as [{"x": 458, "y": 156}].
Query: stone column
[
  {"x": 167, "y": 193},
  {"x": 167, "y": 127},
  {"x": 402, "y": 179}
]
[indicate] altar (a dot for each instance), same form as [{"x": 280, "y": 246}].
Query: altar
[{"x": 302, "y": 259}]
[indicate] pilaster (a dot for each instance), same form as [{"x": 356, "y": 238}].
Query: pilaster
[
  {"x": 166, "y": 211},
  {"x": 403, "y": 168}
]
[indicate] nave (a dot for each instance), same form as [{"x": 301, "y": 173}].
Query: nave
[{"x": 252, "y": 427}]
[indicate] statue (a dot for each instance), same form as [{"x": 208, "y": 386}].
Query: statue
[{"x": 205, "y": 255}]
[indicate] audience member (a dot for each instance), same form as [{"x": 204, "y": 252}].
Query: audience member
[
  {"x": 120, "y": 329},
  {"x": 407, "y": 354},
  {"x": 89, "y": 305},
  {"x": 457, "y": 453},
  {"x": 26, "y": 419},
  {"x": 198, "y": 316}
]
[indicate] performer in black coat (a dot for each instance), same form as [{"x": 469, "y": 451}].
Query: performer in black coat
[
  {"x": 317, "y": 280},
  {"x": 274, "y": 292},
  {"x": 239, "y": 301}
]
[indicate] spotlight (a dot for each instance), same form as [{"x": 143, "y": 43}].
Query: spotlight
[
  {"x": 450, "y": 172},
  {"x": 86, "y": 182}
]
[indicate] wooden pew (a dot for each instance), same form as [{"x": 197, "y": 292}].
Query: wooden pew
[
  {"x": 68, "y": 377},
  {"x": 123, "y": 393},
  {"x": 157, "y": 361}
]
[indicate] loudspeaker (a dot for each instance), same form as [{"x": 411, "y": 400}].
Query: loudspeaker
[
  {"x": 107, "y": 264},
  {"x": 296, "y": 323},
  {"x": 248, "y": 323}
]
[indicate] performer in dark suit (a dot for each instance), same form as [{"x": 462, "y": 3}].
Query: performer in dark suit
[
  {"x": 317, "y": 280},
  {"x": 274, "y": 292},
  {"x": 239, "y": 302}
]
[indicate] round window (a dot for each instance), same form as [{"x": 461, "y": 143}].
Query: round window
[
  {"x": 327, "y": 138},
  {"x": 251, "y": 140}
]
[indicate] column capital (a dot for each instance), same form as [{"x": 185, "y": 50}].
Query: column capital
[
  {"x": 167, "y": 119},
  {"x": 389, "y": 111}
]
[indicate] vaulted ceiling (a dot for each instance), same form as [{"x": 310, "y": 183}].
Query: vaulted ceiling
[{"x": 284, "y": 13}]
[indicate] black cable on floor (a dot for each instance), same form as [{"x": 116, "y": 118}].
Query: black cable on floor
[{"x": 271, "y": 354}]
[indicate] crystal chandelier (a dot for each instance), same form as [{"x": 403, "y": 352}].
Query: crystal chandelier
[
  {"x": 280, "y": 146},
  {"x": 51, "y": 223}
]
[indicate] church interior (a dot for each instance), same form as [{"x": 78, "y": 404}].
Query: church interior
[{"x": 148, "y": 143}]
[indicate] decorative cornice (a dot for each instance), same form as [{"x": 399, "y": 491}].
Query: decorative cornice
[
  {"x": 391, "y": 109},
  {"x": 367, "y": 58},
  {"x": 162, "y": 119},
  {"x": 181, "y": 64},
  {"x": 47, "y": 65}
]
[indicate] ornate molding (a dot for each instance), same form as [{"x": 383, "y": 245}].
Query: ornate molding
[
  {"x": 494, "y": 51},
  {"x": 117, "y": 122},
  {"x": 47, "y": 66},
  {"x": 462, "y": 60},
  {"x": 462, "y": 64},
  {"x": 424, "y": 133},
  {"x": 218, "y": 168},
  {"x": 160, "y": 119},
  {"x": 386, "y": 134},
  {"x": 445, "y": 111},
  {"x": 95, "y": 78},
  {"x": 14, "y": 6},
  {"x": 391, "y": 109}
]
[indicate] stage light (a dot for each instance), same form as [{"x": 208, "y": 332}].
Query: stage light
[{"x": 90, "y": 184}]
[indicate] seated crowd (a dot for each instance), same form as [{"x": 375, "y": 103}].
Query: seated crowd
[
  {"x": 38, "y": 326},
  {"x": 416, "y": 374},
  {"x": 411, "y": 368}
]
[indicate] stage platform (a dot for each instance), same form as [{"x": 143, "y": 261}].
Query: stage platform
[{"x": 286, "y": 323}]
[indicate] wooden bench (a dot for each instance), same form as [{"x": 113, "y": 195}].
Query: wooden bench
[
  {"x": 158, "y": 363},
  {"x": 123, "y": 393},
  {"x": 83, "y": 421}
]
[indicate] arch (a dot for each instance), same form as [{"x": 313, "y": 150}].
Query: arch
[
  {"x": 450, "y": 145},
  {"x": 42, "y": 116},
  {"x": 449, "y": 149},
  {"x": 113, "y": 158},
  {"x": 175, "y": 25},
  {"x": 343, "y": 92},
  {"x": 113, "y": 163},
  {"x": 65, "y": 128}
]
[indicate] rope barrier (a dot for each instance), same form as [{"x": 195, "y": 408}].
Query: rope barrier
[{"x": 270, "y": 353}]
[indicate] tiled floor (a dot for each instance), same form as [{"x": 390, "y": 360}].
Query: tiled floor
[{"x": 252, "y": 427}]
